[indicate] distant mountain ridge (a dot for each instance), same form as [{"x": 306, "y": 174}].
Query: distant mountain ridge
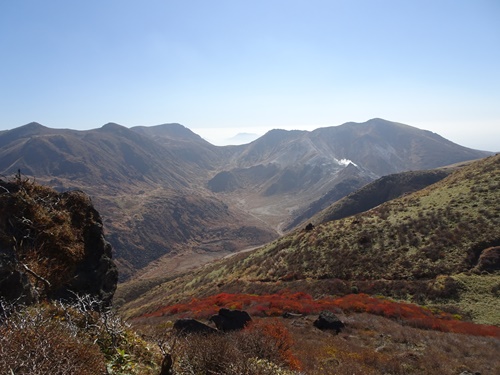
[
  {"x": 112, "y": 155},
  {"x": 241, "y": 138},
  {"x": 259, "y": 185},
  {"x": 307, "y": 166}
]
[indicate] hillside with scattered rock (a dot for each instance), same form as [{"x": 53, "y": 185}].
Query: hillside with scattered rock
[{"x": 430, "y": 246}]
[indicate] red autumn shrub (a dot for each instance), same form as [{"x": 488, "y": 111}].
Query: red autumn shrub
[
  {"x": 269, "y": 339},
  {"x": 286, "y": 301}
]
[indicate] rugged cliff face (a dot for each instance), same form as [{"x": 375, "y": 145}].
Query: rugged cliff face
[{"x": 52, "y": 245}]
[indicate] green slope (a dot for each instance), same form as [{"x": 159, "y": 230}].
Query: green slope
[{"x": 407, "y": 248}]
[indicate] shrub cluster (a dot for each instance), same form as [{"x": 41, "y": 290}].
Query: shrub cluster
[
  {"x": 78, "y": 338},
  {"x": 277, "y": 304},
  {"x": 264, "y": 347}
]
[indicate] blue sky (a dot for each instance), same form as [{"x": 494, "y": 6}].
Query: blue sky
[{"x": 223, "y": 67}]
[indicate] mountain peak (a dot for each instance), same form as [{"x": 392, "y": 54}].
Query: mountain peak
[
  {"x": 173, "y": 131},
  {"x": 34, "y": 124},
  {"x": 28, "y": 130},
  {"x": 112, "y": 126},
  {"x": 32, "y": 127}
]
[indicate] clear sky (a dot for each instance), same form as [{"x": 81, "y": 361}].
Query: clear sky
[{"x": 223, "y": 67}]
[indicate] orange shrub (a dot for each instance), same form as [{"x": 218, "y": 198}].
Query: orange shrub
[
  {"x": 286, "y": 301},
  {"x": 269, "y": 339}
]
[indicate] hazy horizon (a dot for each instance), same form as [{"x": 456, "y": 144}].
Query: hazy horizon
[
  {"x": 232, "y": 136},
  {"x": 241, "y": 65}
]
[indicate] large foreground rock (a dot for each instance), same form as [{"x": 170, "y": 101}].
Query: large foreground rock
[{"x": 52, "y": 245}]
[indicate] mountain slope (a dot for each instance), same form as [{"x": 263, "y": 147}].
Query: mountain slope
[
  {"x": 385, "y": 147},
  {"x": 381, "y": 146},
  {"x": 380, "y": 191},
  {"x": 161, "y": 225},
  {"x": 135, "y": 175},
  {"x": 407, "y": 247},
  {"x": 185, "y": 145},
  {"x": 291, "y": 170},
  {"x": 113, "y": 156},
  {"x": 348, "y": 180}
]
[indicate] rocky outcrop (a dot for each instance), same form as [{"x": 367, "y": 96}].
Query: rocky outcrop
[
  {"x": 489, "y": 260},
  {"x": 192, "y": 326},
  {"x": 230, "y": 320},
  {"x": 96, "y": 274},
  {"x": 328, "y": 321},
  {"x": 14, "y": 284},
  {"x": 52, "y": 245}
]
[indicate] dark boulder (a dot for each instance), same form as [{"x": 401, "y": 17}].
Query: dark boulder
[
  {"x": 230, "y": 320},
  {"x": 96, "y": 274},
  {"x": 489, "y": 260},
  {"x": 328, "y": 321},
  {"x": 192, "y": 326}
]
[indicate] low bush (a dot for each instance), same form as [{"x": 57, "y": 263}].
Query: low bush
[
  {"x": 279, "y": 303},
  {"x": 77, "y": 338},
  {"x": 264, "y": 347}
]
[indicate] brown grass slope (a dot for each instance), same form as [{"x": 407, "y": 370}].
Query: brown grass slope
[
  {"x": 385, "y": 147},
  {"x": 306, "y": 164},
  {"x": 186, "y": 145},
  {"x": 112, "y": 157},
  {"x": 405, "y": 248},
  {"x": 158, "y": 226},
  {"x": 378, "y": 145}
]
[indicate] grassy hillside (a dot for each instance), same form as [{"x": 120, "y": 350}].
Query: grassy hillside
[
  {"x": 85, "y": 337},
  {"x": 379, "y": 191},
  {"x": 423, "y": 247}
]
